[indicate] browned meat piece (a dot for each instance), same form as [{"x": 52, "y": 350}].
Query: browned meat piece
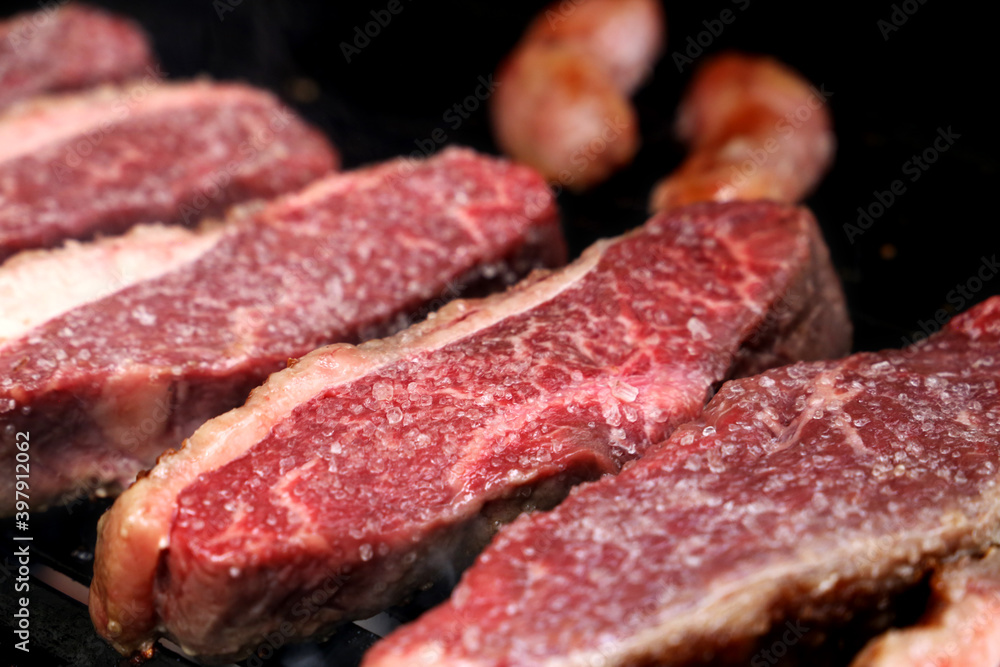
[
  {"x": 562, "y": 99},
  {"x": 756, "y": 130}
]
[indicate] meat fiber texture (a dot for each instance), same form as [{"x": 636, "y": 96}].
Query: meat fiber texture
[
  {"x": 802, "y": 493},
  {"x": 361, "y": 473},
  {"x": 69, "y": 47},
  {"x": 961, "y": 627},
  {"x": 74, "y": 166},
  {"x": 112, "y": 351}
]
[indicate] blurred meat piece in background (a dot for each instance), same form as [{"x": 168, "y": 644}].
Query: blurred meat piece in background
[
  {"x": 756, "y": 130},
  {"x": 69, "y": 47},
  {"x": 562, "y": 101},
  {"x": 961, "y": 627},
  {"x": 76, "y": 165}
]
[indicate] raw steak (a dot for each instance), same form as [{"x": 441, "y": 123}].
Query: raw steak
[
  {"x": 112, "y": 351},
  {"x": 374, "y": 467},
  {"x": 800, "y": 493},
  {"x": 69, "y": 47},
  {"x": 73, "y": 166},
  {"x": 961, "y": 627}
]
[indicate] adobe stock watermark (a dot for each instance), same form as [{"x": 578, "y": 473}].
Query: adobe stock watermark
[
  {"x": 771, "y": 655},
  {"x": 453, "y": 118},
  {"x": 211, "y": 187},
  {"x": 900, "y": 14},
  {"x": 914, "y": 168},
  {"x": 963, "y": 294},
  {"x": 784, "y": 129},
  {"x": 121, "y": 109},
  {"x": 249, "y": 150},
  {"x": 27, "y": 27},
  {"x": 105, "y": 477},
  {"x": 310, "y": 604},
  {"x": 223, "y": 7},
  {"x": 695, "y": 45},
  {"x": 363, "y": 35},
  {"x": 22, "y": 540},
  {"x": 611, "y": 129},
  {"x": 130, "y": 434},
  {"x": 585, "y": 153},
  {"x": 968, "y": 633},
  {"x": 565, "y": 9},
  {"x": 580, "y": 159}
]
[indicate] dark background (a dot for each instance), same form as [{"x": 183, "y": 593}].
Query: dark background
[{"x": 890, "y": 97}]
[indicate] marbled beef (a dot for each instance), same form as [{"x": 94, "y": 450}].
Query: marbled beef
[
  {"x": 373, "y": 467},
  {"x": 802, "y": 493},
  {"x": 112, "y": 351},
  {"x": 68, "y": 47},
  {"x": 73, "y": 166}
]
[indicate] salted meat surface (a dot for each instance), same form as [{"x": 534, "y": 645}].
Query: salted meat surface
[
  {"x": 77, "y": 165},
  {"x": 68, "y": 47},
  {"x": 113, "y": 351},
  {"x": 798, "y": 493},
  {"x": 961, "y": 627},
  {"x": 360, "y": 473}
]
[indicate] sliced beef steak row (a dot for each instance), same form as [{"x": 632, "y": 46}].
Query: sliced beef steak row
[
  {"x": 961, "y": 627},
  {"x": 73, "y": 166},
  {"x": 114, "y": 350},
  {"x": 69, "y": 47},
  {"x": 803, "y": 492},
  {"x": 360, "y": 472}
]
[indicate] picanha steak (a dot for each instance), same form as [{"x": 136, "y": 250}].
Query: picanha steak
[
  {"x": 73, "y": 166},
  {"x": 802, "y": 493},
  {"x": 112, "y": 351},
  {"x": 961, "y": 627},
  {"x": 68, "y": 47},
  {"x": 359, "y": 473}
]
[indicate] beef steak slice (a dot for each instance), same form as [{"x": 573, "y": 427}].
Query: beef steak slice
[
  {"x": 373, "y": 467},
  {"x": 98, "y": 162},
  {"x": 113, "y": 351},
  {"x": 798, "y": 493},
  {"x": 66, "y": 48}
]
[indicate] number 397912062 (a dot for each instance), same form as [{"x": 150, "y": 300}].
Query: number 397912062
[{"x": 21, "y": 473}]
